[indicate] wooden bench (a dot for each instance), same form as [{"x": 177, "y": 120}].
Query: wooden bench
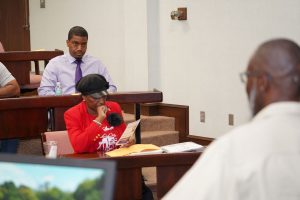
[
  {"x": 19, "y": 64},
  {"x": 27, "y": 117}
]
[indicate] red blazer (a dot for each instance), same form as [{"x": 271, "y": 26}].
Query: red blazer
[{"x": 87, "y": 136}]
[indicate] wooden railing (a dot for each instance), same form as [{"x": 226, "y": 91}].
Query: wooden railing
[
  {"x": 179, "y": 112},
  {"x": 18, "y": 62},
  {"x": 28, "y": 117}
]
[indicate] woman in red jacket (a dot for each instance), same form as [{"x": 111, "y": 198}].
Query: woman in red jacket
[{"x": 94, "y": 124}]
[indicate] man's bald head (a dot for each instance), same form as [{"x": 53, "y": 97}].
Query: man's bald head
[
  {"x": 276, "y": 65},
  {"x": 278, "y": 57}
]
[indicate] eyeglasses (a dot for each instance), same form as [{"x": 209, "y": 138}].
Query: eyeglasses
[{"x": 244, "y": 76}]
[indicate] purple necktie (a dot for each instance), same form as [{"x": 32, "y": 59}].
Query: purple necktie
[{"x": 78, "y": 73}]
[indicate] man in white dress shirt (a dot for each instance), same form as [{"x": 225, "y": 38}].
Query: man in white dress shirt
[
  {"x": 63, "y": 68},
  {"x": 261, "y": 159},
  {"x": 9, "y": 87}
]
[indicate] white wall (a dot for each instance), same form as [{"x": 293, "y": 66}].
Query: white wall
[
  {"x": 194, "y": 62},
  {"x": 103, "y": 19},
  {"x": 135, "y": 52},
  {"x": 200, "y": 58}
]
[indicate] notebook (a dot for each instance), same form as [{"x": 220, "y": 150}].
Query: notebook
[
  {"x": 70, "y": 178},
  {"x": 182, "y": 147}
]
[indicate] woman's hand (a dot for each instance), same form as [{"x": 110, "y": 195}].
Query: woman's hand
[
  {"x": 130, "y": 142},
  {"x": 101, "y": 110}
]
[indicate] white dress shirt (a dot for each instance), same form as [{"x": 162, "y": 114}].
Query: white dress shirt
[
  {"x": 5, "y": 75},
  {"x": 62, "y": 69},
  {"x": 259, "y": 160}
]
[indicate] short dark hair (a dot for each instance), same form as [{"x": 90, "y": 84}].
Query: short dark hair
[{"x": 78, "y": 31}]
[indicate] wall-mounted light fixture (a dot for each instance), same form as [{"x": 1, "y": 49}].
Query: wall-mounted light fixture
[
  {"x": 179, "y": 14},
  {"x": 42, "y": 3}
]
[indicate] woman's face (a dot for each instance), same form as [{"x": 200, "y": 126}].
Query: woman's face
[{"x": 92, "y": 103}]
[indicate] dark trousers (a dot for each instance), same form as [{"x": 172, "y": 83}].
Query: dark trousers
[
  {"x": 9, "y": 145},
  {"x": 146, "y": 192}
]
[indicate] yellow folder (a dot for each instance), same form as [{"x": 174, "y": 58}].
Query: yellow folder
[{"x": 136, "y": 148}]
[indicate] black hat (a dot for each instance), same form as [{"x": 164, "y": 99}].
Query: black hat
[{"x": 94, "y": 85}]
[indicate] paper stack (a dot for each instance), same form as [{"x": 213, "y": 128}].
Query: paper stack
[{"x": 182, "y": 147}]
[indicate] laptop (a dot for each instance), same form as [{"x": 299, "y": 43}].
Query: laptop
[{"x": 70, "y": 178}]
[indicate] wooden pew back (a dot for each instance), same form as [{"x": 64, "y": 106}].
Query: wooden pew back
[
  {"x": 27, "y": 117},
  {"x": 18, "y": 62}
]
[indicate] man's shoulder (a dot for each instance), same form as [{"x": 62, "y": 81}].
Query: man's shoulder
[
  {"x": 58, "y": 61},
  {"x": 91, "y": 59},
  {"x": 59, "y": 58}
]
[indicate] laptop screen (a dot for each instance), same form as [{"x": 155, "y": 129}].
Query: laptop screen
[{"x": 30, "y": 177}]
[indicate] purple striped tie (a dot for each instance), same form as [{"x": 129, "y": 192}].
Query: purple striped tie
[{"x": 78, "y": 73}]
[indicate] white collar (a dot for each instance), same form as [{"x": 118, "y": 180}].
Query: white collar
[{"x": 71, "y": 59}]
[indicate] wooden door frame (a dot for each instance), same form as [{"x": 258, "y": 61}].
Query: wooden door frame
[{"x": 14, "y": 20}]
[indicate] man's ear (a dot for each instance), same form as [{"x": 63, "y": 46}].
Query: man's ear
[
  {"x": 68, "y": 43},
  {"x": 263, "y": 82}
]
